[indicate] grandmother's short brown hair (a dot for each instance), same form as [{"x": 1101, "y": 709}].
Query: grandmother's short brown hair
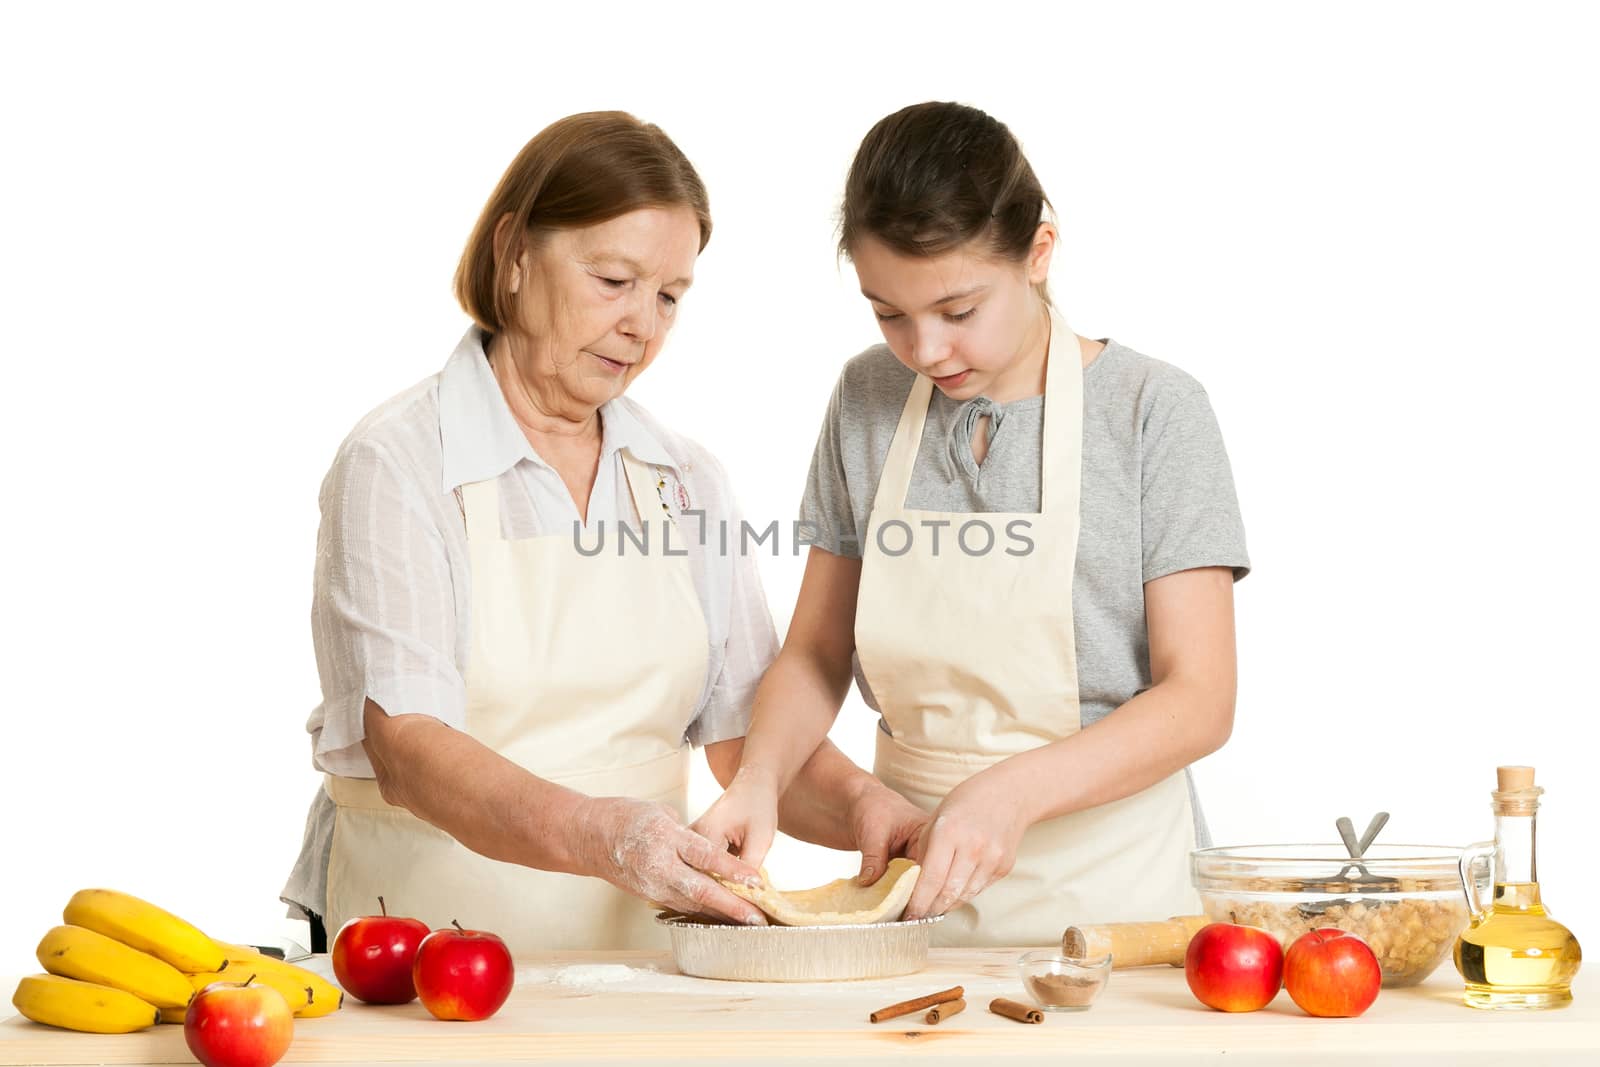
[{"x": 578, "y": 171}]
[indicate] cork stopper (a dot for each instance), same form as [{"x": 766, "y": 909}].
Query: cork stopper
[
  {"x": 1517, "y": 794},
  {"x": 1514, "y": 778}
]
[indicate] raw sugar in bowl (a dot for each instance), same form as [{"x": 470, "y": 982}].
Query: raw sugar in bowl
[{"x": 1404, "y": 901}]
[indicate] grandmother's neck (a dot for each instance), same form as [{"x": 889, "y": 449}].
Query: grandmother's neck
[{"x": 541, "y": 406}]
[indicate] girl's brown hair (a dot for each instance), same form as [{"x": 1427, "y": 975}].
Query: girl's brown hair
[
  {"x": 934, "y": 177},
  {"x": 578, "y": 171}
]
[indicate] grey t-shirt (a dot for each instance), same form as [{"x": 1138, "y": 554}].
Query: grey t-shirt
[{"x": 1157, "y": 493}]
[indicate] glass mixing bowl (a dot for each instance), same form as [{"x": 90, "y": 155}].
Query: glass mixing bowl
[{"x": 1405, "y": 901}]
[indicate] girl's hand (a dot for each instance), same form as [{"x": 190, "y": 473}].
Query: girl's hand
[
  {"x": 744, "y": 819},
  {"x": 970, "y": 844},
  {"x": 882, "y": 824}
]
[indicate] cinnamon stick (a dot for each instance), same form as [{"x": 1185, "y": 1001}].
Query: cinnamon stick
[
  {"x": 1012, "y": 1010},
  {"x": 943, "y": 1011},
  {"x": 906, "y": 1007}
]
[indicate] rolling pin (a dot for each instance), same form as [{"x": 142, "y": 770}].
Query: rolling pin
[{"x": 1135, "y": 944}]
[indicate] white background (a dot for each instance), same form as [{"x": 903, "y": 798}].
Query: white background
[{"x": 1369, "y": 230}]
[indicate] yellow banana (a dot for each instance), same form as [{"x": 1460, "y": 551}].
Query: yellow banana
[
  {"x": 298, "y": 994},
  {"x": 85, "y": 1006},
  {"x": 173, "y": 1015},
  {"x": 325, "y": 997},
  {"x": 144, "y": 926},
  {"x": 73, "y": 952}
]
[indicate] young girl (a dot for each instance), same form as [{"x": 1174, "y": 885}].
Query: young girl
[{"x": 1027, "y": 543}]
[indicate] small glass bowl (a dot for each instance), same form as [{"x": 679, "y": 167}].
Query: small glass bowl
[{"x": 1063, "y": 983}]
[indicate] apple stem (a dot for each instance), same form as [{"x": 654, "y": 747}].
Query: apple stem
[
  {"x": 383, "y": 908},
  {"x": 457, "y": 924},
  {"x": 247, "y": 981}
]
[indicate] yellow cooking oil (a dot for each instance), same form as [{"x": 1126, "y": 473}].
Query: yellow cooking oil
[{"x": 1514, "y": 956}]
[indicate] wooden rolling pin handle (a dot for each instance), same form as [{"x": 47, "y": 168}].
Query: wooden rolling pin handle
[{"x": 1134, "y": 944}]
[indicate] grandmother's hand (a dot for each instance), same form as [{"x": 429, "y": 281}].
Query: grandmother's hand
[{"x": 641, "y": 848}]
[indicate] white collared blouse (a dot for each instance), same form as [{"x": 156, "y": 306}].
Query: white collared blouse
[{"x": 391, "y": 610}]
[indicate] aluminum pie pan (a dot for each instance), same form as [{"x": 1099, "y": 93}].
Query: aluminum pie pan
[{"x": 798, "y": 953}]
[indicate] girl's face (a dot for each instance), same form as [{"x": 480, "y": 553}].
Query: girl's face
[{"x": 968, "y": 320}]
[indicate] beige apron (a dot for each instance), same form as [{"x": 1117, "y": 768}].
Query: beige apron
[
  {"x": 971, "y": 658},
  {"x": 582, "y": 669}
]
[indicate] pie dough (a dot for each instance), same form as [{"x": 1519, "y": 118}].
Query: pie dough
[{"x": 843, "y": 902}]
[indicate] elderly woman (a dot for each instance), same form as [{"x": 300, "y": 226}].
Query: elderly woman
[{"x": 507, "y": 715}]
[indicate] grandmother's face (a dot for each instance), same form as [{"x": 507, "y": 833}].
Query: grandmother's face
[{"x": 597, "y": 301}]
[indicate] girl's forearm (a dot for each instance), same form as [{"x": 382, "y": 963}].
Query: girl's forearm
[
  {"x": 1154, "y": 735},
  {"x": 795, "y": 706}
]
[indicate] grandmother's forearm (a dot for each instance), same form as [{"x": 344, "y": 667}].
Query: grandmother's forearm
[{"x": 488, "y": 803}]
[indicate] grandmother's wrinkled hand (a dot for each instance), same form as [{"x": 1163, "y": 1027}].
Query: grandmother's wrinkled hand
[{"x": 641, "y": 848}]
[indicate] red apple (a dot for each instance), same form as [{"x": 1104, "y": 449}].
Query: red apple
[
  {"x": 372, "y": 956},
  {"x": 1332, "y": 973},
  {"x": 237, "y": 1024},
  {"x": 463, "y": 974},
  {"x": 1234, "y": 968}
]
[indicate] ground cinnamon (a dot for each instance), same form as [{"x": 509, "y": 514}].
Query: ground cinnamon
[
  {"x": 942, "y": 1012},
  {"x": 1063, "y": 990},
  {"x": 1012, "y": 1010},
  {"x": 906, "y": 1007}
]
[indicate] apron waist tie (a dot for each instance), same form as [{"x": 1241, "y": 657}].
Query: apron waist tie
[{"x": 931, "y": 771}]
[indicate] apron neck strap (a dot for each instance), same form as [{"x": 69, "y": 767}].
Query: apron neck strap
[
  {"x": 895, "y": 480},
  {"x": 481, "y": 503},
  {"x": 642, "y": 484},
  {"x": 1061, "y": 451}
]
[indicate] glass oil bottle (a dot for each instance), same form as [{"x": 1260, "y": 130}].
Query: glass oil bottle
[{"x": 1513, "y": 955}]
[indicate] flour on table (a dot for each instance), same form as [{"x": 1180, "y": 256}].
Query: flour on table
[{"x": 591, "y": 975}]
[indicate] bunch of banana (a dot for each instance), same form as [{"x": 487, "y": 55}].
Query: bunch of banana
[{"x": 120, "y": 964}]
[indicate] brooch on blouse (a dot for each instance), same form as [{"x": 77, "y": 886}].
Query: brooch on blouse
[{"x": 681, "y": 493}]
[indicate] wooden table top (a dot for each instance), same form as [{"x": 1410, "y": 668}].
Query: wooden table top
[{"x": 564, "y": 1009}]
